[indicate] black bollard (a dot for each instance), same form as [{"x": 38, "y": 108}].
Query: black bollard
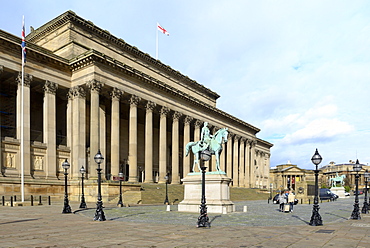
[
  {"x": 301, "y": 201},
  {"x": 40, "y": 200},
  {"x": 15, "y": 198},
  {"x": 309, "y": 201},
  {"x": 49, "y": 198},
  {"x": 3, "y": 198},
  {"x": 11, "y": 201},
  {"x": 31, "y": 200}
]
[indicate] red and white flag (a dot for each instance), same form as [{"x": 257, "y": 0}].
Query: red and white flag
[{"x": 162, "y": 30}]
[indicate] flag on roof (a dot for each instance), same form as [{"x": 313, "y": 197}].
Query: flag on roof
[
  {"x": 162, "y": 30},
  {"x": 23, "y": 43}
]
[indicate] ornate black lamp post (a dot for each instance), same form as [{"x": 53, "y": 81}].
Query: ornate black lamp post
[
  {"x": 166, "y": 200},
  {"x": 83, "y": 203},
  {"x": 356, "y": 208},
  {"x": 203, "y": 220},
  {"x": 66, "y": 208},
  {"x": 120, "y": 202},
  {"x": 99, "y": 214},
  {"x": 365, "y": 207},
  {"x": 316, "y": 218}
]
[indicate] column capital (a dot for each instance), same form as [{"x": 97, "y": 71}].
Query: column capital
[
  {"x": 188, "y": 119},
  {"x": 27, "y": 79},
  {"x": 134, "y": 100},
  {"x": 164, "y": 111},
  {"x": 236, "y": 137},
  {"x": 1, "y": 69},
  {"x": 243, "y": 139},
  {"x": 76, "y": 92},
  {"x": 95, "y": 85},
  {"x": 116, "y": 94},
  {"x": 230, "y": 136},
  {"x": 176, "y": 115},
  {"x": 50, "y": 87},
  {"x": 198, "y": 123},
  {"x": 150, "y": 106}
]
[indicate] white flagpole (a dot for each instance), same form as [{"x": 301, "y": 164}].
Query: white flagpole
[
  {"x": 22, "y": 126},
  {"x": 156, "y": 43}
]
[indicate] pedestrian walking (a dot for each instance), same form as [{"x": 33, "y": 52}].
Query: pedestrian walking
[
  {"x": 282, "y": 201},
  {"x": 291, "y": 199}
]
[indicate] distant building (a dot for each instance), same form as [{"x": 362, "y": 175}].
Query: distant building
[
  {"x": 288, "y": 176},
  {"x": 332, "y": 170}
]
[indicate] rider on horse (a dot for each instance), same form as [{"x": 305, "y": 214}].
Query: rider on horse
[{"x": 205, "y": 137}]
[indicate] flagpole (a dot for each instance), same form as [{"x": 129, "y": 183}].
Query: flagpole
[
  {"x": 156, "y": 43},
  {"x": 22, "y": 124}
]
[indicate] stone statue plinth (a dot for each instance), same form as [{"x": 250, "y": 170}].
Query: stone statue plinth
[
  {"x": 217, "y": 193},
  {"x": 339, "y": 191}
]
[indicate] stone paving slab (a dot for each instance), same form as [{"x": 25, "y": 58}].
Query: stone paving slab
[{"x": 153, "y": 226}]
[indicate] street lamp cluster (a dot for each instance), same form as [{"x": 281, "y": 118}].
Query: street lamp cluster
[
  {"x": 316, "y": 218},
  {"x": 203, "y": 220}
]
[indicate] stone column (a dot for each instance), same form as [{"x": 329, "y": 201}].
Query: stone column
[
  {"x": 77, "y": 96},
  {"x": 26, "y": 120},
  {"x": 95, "y": 88},
  {"x": 163, "y": 144},
  {"x": 149, "y": 142},
  {"x": 197, "y": 125},
  {"x": 241, "y": 162},
  {"x": 50, "y": 134},
  {"x": 229, "y": 162},
  {"x": 115, "y": 131},
  {"x": 1, "y": 145},
  {"x": 132, "y": 147},
  {"x": 175, "y": 148},
  {"x": 253, "y": 164},
  {"x": 236, "y": 161},
  {"x": 247, "y": 164},
  {"x": 186, "y": 159},
  {"x": 103, "y": 139}
]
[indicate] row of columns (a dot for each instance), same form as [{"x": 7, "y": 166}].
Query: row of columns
[{"x": 239, "y": 161}]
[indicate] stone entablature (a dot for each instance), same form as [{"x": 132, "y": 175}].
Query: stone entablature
[{"x": 111, "y": 45}]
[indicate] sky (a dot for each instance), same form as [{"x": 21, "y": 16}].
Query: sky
[{"x": 297, "y": 70}]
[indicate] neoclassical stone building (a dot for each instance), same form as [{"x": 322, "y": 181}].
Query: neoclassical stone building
[{"x": 86, "y": 89}]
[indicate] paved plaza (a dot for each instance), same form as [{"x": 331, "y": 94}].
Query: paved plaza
[{"x": 152, "y": 226}]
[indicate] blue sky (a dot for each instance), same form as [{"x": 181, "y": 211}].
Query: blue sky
[{"x": 298, "y": 70}]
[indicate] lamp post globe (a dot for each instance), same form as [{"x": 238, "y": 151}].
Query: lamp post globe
[
  {"x": 203, "y": 220},
  {"x": 120, "y": 202},
  {"x": 365, "y": 207},
  {"x": 316, "y": 217},
  {"x": 99, "y": 214},
  {"x": 66, "y": 207},
  {"x": 83, "y": 202},
  {"x": 356, "y": 208}
]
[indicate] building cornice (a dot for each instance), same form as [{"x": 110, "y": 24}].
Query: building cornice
[
  {"x": 92, "y": 57},
  {"x": 33, "y": 51},
  {"x": 71, "y": 17}
]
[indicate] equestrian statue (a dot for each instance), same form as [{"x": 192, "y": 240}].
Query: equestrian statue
[
  {"x": 212, "y": 143},
  {"x": 337, "y": 179}
]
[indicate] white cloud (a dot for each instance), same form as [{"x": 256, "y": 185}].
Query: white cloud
[{"x": 318, "y": 131}]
